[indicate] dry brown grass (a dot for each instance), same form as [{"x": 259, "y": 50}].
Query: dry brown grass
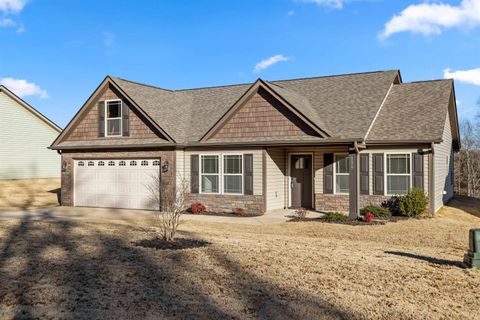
[
  {"x": 32, "y": 193},
  {"x": 297, "y": 270}
]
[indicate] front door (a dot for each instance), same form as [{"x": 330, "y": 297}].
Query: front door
[{"x": 301, "y": 181}]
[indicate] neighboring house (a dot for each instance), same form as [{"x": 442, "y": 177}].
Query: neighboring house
[
  {"x": 25, "y": 137},
  {"x": 327, "y": 143}
]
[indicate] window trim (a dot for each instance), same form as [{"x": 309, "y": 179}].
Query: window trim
[
  {"x": 117, "y": 118},
  {"x": 342, "y": 174},
  {"x": 233, "y": 174},
  {"x": 386, "y": 174},
  {"x": 220, "y": 174}
]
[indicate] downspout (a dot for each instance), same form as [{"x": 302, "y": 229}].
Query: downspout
[{"x": 431, "y": 177}]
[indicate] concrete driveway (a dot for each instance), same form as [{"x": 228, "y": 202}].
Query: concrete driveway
[{"x": 137, "y": 217}]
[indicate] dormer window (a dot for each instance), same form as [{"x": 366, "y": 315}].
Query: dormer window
[{"x": 113, "y": 118}]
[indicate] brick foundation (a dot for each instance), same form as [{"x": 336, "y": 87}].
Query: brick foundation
[{"x": 226, "y": 203}]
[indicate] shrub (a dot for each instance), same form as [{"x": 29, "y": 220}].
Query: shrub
[
  {"x": 197, "y": 208},
  {"x": 368, "y": 217},
  {"x": 239, "y": 212},
  {"x": 335, "y": 217},
  {"x": 392, "y": 205},
  {"x": 301, "y": 213},
  {"x": 377, "y": 211},
  {"x": 413, "y": 203}
]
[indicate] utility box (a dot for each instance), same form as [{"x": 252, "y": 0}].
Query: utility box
[{"x": 472, "y": 257}]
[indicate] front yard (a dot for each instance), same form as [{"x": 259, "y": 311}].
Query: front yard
[
  {"x": 29, "y": 193},
  {"x": 303, "y": 270}
]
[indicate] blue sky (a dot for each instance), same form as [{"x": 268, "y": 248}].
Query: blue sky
[{"x": 55, "y": 53}]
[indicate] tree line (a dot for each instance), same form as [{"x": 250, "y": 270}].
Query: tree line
[{"x": 467, "y": 160}]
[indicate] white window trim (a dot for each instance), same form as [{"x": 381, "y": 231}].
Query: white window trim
[
  {"x": 385, "y": 169},
  {"x": 220, "y": 173},
  {"x": 120, "y": 118},
  {"x": 341, "y": 174},
  {"x": 233, "y": 174}
]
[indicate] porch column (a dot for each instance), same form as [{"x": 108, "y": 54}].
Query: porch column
[{"x": 354, "y": 183}]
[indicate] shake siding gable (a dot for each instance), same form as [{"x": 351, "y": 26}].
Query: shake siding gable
[
  {"x": 443, "y": 166},
  {"x": 25, "y": 139}
]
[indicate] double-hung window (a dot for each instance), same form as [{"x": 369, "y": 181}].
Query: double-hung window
[
  {"x": 209, "y": 165},
  {"x": 232, "y": 174},
  {"x": 398, "y": 173},
  {"x": 113, "y": 118},
  {"x": 341, "y": 174}
]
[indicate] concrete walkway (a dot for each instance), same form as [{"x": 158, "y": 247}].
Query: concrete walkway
[{"x": 137, "y": 217}]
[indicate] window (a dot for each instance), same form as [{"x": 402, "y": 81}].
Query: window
[
  {"x": 122, "y": 163},
  {"x": 144, "y": 163},
  {"x": 133, "y": 163},
  {"x": 398, "y": 173},
  {"x": 232, "y": 174},
  {"x": 209, "y": 168},
  {"x": 341, "y": 174},
  {"x": 156, "y": 162},
  {"x": 101, "y": 163},
  {"x": 81, "y": 163},
  {"x": 113, "y": 124},
  {"x": 111, "y": 163},
  {"x": 91, "y": 163}
]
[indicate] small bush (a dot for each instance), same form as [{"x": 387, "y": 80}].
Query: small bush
[
  {"x": 368, "y": 217},
  {"x": 301, "y": 213},
  {"x": 392, "y": 205},
  {"x": 335, "y": 217},
  {"x": 377, "y": 211},
  {"x": 239, "y": 212},
  {"x": 197, "y": 208},
  {"x": 413, "y": 203}
]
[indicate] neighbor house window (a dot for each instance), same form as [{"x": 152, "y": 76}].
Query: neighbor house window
[
  {"x": 210, "y": 173},
  {"x": 232, "y": 174},
  {"x": 113, "y": 118},
  {"x": 398, "y": 173},
  {"x": 341, "y": 174}
]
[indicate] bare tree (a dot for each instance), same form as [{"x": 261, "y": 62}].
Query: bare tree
[
  {"x": 467, "y": 172},
  {"x": 171, "y": 202}
]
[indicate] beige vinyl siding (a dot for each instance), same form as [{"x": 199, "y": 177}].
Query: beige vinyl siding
[
  {"x": 24, "y": 141},
  {"x": 257, "y": 164},
  {"x": 443, "y": 167},
  {"x": 275, "y": 167},
  {"x": 180, "y": 167}
]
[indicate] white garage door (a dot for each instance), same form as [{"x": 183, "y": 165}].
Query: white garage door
[{"x": 122, "y": 183}]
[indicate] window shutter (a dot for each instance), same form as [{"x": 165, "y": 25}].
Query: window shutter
[
  {"x": 417, "y": 172},
  {"x": 328, "y": 173},
  {"x": 125, "y": 119},
  {"x": 194, "y": 173},
  {"x": 378, "y": 174},
  {"x": 248, "y": 173},
  {"x": 101, "y": 119},
  {"x": 364, "y": 179}
]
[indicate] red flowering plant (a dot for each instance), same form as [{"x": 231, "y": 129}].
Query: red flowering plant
[
  {"x": 368, "y": 217},
  {"x": 197, "y": 208}
]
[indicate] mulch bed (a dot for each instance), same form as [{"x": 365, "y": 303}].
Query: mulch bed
[
  {"x": 224, "y": 214},
  {"x": 177, "y": 244},
  {"x": 378, "y": 221}
]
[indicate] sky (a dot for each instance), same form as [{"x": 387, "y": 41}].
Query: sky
[{"x": 55, "y": 53}]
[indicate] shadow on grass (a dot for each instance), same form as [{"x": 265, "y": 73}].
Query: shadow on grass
[
  {"x": 441, "y": 262},
  {"x": 467, "y": 204},
  {"x": 178, "y": 244},
  {"x": 68, "y": 269}
]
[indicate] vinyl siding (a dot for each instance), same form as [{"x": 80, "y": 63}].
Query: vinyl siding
[
  {"x": 25, "y": 138},
  {"x": 257, "y": 165},
  {"x": 180, "y": 167},
  {"x": 275, "y": 166},
  {"x": 443, "y": 167}
]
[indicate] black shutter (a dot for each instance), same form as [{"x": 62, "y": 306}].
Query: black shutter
[
  {"x": 194, "y": 173},
  {"x": 378, "y": 174},
  {"x": 248, "y": 173},
  {"x": 364, "y": 179},
  {"x": 101, "y": 119},
  {"x": 125, "y": 119},
  {"x": 417, "y": 170},
  {"x": 328, "y": 173}
]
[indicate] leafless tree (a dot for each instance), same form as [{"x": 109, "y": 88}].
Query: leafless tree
[
  {"x": 171, "y": 202},
  {"x": 467, "y": 162}
]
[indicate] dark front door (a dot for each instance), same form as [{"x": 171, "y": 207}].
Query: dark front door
[{"x": 301, "y": 181}]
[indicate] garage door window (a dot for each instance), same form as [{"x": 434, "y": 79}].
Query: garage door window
[
  {"x": 144, "y": 163},
  {"x": 114, "y": 118},
  {"x": 101, "y": 163},
  {"x": 122, "y": 163},
  {"x": 81, "y": 164},
  {"x": 91, "y": 163},
  {"x": 133, "y": 163}
]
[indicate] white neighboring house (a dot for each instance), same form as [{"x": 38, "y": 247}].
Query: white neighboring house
[{"x": 24, "y": 137}]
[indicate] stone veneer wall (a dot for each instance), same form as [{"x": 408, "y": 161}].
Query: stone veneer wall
[
  {"x": 253, "y": 204},
  {"x": 340, "y": 202}
]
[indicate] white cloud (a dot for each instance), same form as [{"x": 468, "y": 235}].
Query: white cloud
[
  {"x": 432, "y": 18},
  {"x": 335, "y": 4},
  {"x": 23, "y": 88},
  {"x": 468, "y": 76},
  {"x": 264, "y": 64},
  {"x": 12, "y": 6},
  {"x": 7, "y": 22}
]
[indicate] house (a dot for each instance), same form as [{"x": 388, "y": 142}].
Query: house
[
  {"x": 333, "y": 143},
  {"x": 26, "y": 135}
]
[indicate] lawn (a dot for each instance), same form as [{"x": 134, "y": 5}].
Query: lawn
[
  {"x": 31, "y": 193},
  {"x": 294, "y": 270}
]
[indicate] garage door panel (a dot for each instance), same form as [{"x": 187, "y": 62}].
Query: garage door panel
[{"x": 116, "y": 184}]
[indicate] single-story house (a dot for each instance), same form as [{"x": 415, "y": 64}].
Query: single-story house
[
  {"x": 331, "y": 143},
  {"x": 25, "y": 137}
]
